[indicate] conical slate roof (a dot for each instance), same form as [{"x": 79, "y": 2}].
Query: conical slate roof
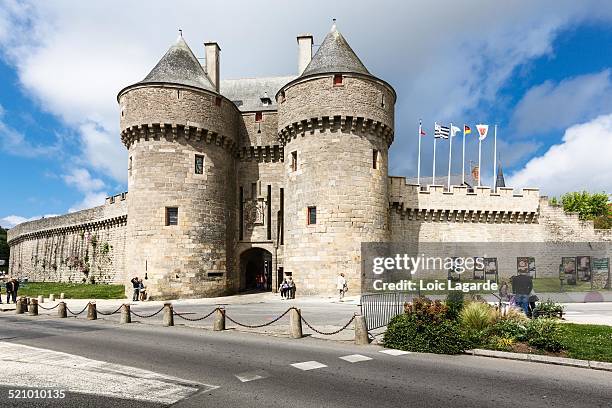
[
  {"x": 335, "y": 55},
  {"x": 179, "y": 66},
  {"x": 500, "y": 182}
]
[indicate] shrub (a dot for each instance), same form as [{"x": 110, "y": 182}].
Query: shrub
[
  {"x": 506, "y": 328},
  {"x": 544, "y": 334},
  {"x": 501, "y": 343},
  {"x": 548, "y": 309},
  {"x": 477, "y": 316},
  {"x": 425, "y": 327},
  {"x": 454, "y": 302}
]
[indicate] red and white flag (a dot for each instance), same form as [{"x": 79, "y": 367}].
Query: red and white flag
[{"x": 482, "y": 131}]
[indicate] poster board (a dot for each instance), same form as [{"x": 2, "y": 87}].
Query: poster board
[
  {"x": 491, "y": 270},
  {"x": 583, "y": 268},
  {"x": 568, "y": 270},
  {"x": 600, "y": 272},
  {"x": 525, "y": 265},
  {"x": 479, "y": 273}
]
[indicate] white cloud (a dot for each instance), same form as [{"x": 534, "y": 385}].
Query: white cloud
[
  {"x": 582, "y": 161},
  {"x": 82, "y": 180},
  {"x": 551, "y": 106},
  {"x": 91, "y": 199},
  {"x": 73, "y": 57}
]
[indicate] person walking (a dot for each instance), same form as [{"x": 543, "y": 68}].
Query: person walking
[
  {"x": 284, "y": 288},
  {"x": 341, "y": 286},
  {"x": 291, "y": 285},
  {"x": 142, "y": 290},
  {"x": 9, "y": 291},
  {"x": 14, "y": 289},
  {"x": 522, "y": 285},
  {"x": 136, "y": 287}
]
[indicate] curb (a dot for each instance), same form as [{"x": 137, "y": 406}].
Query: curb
[{"x": 536, "y": 358}]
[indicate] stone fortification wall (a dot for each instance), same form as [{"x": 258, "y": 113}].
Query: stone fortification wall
[
  {"x": 81, "y": 246},
  {"x": 434, "y": 215}
]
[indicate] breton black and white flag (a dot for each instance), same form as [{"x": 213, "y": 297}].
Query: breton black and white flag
[{"x": 441, "y": 131}]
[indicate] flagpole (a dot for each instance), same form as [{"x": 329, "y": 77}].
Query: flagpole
[
  {"x": 433, "y": 173},
  {"x": 450, "y": 155},
  {"x": 463, "y": 159},
  {"x": 495, "y": 160},
  {"x": 419, "y": 158},
  {"x": 479, "y": 157}
]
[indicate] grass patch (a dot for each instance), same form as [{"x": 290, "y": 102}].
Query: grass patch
[
  {"x": 72, "y": 290},
  {"x": 587, "y": 341},
  {"x": 542, "y": 285}
]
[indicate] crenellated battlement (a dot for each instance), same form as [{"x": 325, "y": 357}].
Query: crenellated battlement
[
  {"x": 334, "y": 123},
  {"x": 261, "y": 153},
  {"x": 173, "y": 131},
  {"x": 434, "y": 203}
]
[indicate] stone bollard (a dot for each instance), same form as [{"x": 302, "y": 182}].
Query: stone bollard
[
  {"x": 61, "y": 310},
  {"x": 41, "y": 299},
  {"x": 361, "y": 330},
  {"x": 168, "y": 314},
  {"x": 126, "y": 315},
  {"x": 92, "y": 312},
  {"x": 295, "y": 324},
  {"x": 51, "y": 297},
  {"x": 62, "y": 295},
  {"x": 219, "y": 324},
  {"x": 21, "y": 305},
  {"x": 33, "y": 309}
]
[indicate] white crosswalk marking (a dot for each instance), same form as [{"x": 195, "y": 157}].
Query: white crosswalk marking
[
  {"x": 393, "y": 352},
  {"x": 308, "y": 365},
  {"x": 354, "y": 358},
  {"x": 31, "y": 365},
  {"x": 252, "y": 375}
]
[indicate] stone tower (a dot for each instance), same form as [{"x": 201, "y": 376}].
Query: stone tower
[
  {"x": 336, "y": 124},
  {"x": 181, "y": 138}
]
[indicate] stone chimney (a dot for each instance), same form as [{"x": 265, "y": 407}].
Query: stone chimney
[
  {"x": 304, "y": 51},
  {"x": 212, "y": 62}
]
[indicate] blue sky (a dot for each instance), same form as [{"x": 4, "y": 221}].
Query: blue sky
[{"x": 542, "y": 72}]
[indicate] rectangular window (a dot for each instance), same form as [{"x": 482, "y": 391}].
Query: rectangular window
[
  {"x": 312, "y": 215},
  {"x": 253, "y": 191},
  {"x": 199, "y": 164},
  {"x": 258, "y": 116},
  {"x": 294, "y": 161},
  {"x": 218, "y": 101},
  {"x": 171, "y": 215},
  {"x": 337, "y": 80},
  {"x": 374, "y": 159},
  {"x": 130, "y": 166}
]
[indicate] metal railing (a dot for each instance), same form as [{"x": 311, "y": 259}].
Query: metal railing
[{"x": 379, "y": 308}]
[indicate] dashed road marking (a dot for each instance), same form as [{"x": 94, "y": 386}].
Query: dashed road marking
[
  {"x": 393, "y": 352},
  {"x": 252, "y": 375},
  {"x": 354, "y": 358},
  {"x": 308, "y": 365}
]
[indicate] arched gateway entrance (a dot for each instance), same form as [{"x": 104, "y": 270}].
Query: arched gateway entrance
[{"x": 256, "y": 269}]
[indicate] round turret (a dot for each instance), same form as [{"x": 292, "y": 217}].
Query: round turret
[
  {"x": 181, "y": 139},
  {"x": 336, "y": 123}
]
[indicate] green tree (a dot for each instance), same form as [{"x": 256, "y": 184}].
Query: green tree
[
  {"x": 4, "y": 248},
  {"x": 589, "y": 207}
]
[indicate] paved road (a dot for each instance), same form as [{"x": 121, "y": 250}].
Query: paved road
[{"x": 155, "y": 365}]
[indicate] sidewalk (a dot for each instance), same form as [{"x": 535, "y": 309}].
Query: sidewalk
[{"x": 325, "y": 314}]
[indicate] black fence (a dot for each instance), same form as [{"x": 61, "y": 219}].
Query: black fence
[{"x": 379, "y": 308}]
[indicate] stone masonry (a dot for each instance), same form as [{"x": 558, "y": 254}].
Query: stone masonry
[{"x": 230, "y": 180}]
